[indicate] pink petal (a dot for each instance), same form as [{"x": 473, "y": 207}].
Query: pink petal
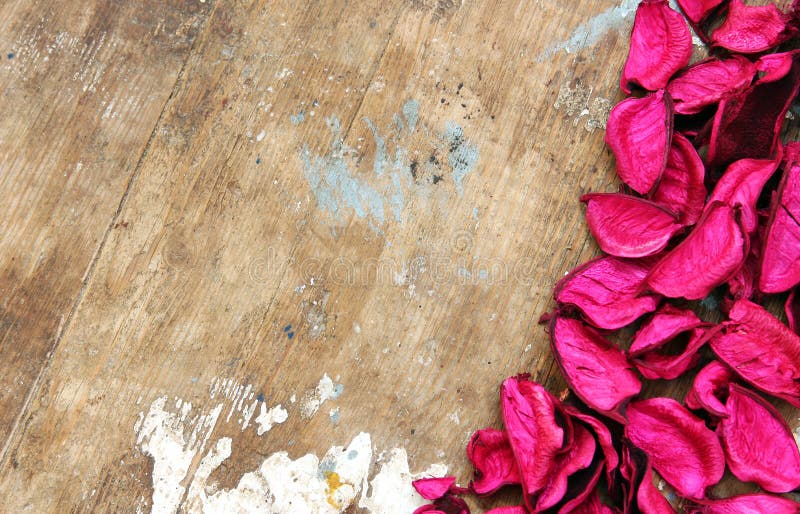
[
  {"x": 516, "y": 509},
  {"x": 649, "y": 499},
  {"x": 759, "y": 445},
  {"x": 775, "y": 66},
  {"x": 433, "y": 488},
  {"x": 661, "y": 327},
  {"x": 698, "y": 10},
  {"x": 627, "y": 226},
  {"x": 655, "y": 364},
  {"x": 707, "y": 387},
  {"x": 780, "y": 256},
  {"x": 707, "y": 82},
  {"x": 741, "y": 184},
  {"x": 761, "y": 350},
  {"x": 751, "y": 29},
  {"x": 607, "y": 291},
  {"x": 683, "y": 451},
  {"x": 709, "y": 256},
  {"x": 491, "y": 455},
  {"x": 660, "y": 45},
  {"x": 603, "y": 436},
  {"x": 592, "y": 505},
  {"x": 639, "y": 134},
  {"x": 579, "y": 456},
  {"x": 595, "y": 369},
  {"x": 747, "y": 125},
  {"x": 529, "y": 415},
  {"x": 792, "y": 310},
  {"x": 681, "y": 189},
  {"x": 747, "y": 504}
]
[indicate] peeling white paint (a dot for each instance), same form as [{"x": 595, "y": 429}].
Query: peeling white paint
[
  {"x": 325, "y": 390},
  {"x": 391, "y": 491},
  {"x": 269, "y": 418}
]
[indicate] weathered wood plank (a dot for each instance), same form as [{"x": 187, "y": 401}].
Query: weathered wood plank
[{"x": 82, "y": 85}]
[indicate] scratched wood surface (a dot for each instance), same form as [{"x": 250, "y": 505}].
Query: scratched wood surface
[{"x": 221, "y": 203}]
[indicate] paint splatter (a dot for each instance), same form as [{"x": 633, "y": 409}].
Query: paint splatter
[
  {"x": 577, "y": 102},
  {"x": 462, "y": 154},
  {"x": 298, "y": 118},
  {"x": 269, "y": 418},
  {"x": 391, "y": 491},
  {"x": 325, "y": 390},
  {"x": 411, "y": 114}
]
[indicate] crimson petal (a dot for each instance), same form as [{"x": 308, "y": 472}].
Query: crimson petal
[
  {"x": 607, "y": 291},
  {"x": 595, "y": 369},
  {"x": 759, "y": 446},
  {"x": 681, "y": 189},
  {"x": 654, "y": 364},
  {"x": 698, "y": 10},
  {"x": 665, "y": 324},
  {"x": 792, "y": 310},
  {"x": 579, "y": 456},
  {"x": 741, "y": 184},
  {"x": 780, "y": 257},
  {"x": 709, "y": 256},
  {"x": 707, "y": 82},
  {"x": 748, "y": 503},
  {"x": 683, "y": 451},
  {"x": 493, "y": 459},
  {"x": 761, "y": 350},
  {"x": 708, "y": 384},
  {"x": 639, "y": 132},
  {"x": 751, "y": 29},
  {"x": 661, "y": 44},
  {"x": 433, "y": 488}
]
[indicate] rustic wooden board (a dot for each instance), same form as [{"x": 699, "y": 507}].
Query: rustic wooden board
[
  {"x": 82, "y": 86},
  {"x": 380, "y": 193}
]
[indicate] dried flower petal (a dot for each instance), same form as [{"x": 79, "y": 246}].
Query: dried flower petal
[
  {"x": 661, "y": 44},
  {"x": 516, "y": 509},
  {"x": 792, "y": 310},
  {"x": 775, "y": 66},
  {"x": 595, "y": 369},
  {"x": 741, "y": 184},
  {"x": 433, "y": 488},
  {"x": 709, "y": 256},
  {"x": 707, "y": 82},
  {"x": 780, "y": 257},
  {"x": 579, "y": 456},
  {"x": 747, "y": 125},
  {"x": 698, "y": 10},
  {"x": 603, "y": 436},
  {"x": 683, "y": 451},
  {"x": 491, "y": 455},
  {"x": 529, "y": 415},
  {"x": 607, "y": 291},
  {"x": 655, "y": 364},
  {"x": 759, "y": 445},
  {"x": 751, "y": 29},
  {"x": 649, "y": 499},
  {"x": 707, "y": 388},
  {"x": 748, "y": 504},
  {"x": 681, "y": 189},
  {"x": 639, "y": 133},
  {"x": 447, "y": 504},
  {"x": 761, "y": 350},
  {"x": 627, "y": 226},
  {"x": 592, "y": 505},
  {"x": 663, "y": 326}
]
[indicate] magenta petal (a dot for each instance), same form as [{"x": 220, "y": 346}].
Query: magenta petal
[
  {"x": 747, "y": 125},
  {"x": 697, "y": 10},
  {"x": 707, "y": 82},
  {"x": 516, "y": 509},
  {"x": 761, "y": 350},
  {"x": 661, "y": 44},
  {"x": 775, "y": 66},
  {"x": 780, "y": 256},
  {"x": 654, "y": 365},
  {"x": 709, "y": 256},
  {"x": 627, "y": 226},
  {"x": 491, "y": 455},
  {"x": 748, "y": 504},
  {"x": 579, "y": 456},
  {"x": 595, "y": 369},
  {"x": 707, "y": 387},
  {"x": 759, "y": 445},
  {"x": 682, "y": 189},
  {"x": 433, "y": 488},
  {"x": 751, "y": 29},
  {"x": 639, "y": 134},
  {"x": 792, "y": 310},
  {"x": 529, "y": 415},
  {"x": 664, "y": 325},
  {"x": 592, "y": 505},
  {"x": 607, "y": 291},
  {"x": 649, "y": 499},
  {"x": 603, "y": 436},
  {"x": 741, "y": 184},
  {"x": 683, "y": 451}
]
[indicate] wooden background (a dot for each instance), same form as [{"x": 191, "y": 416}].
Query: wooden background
[{"x": 181, "y": 181}]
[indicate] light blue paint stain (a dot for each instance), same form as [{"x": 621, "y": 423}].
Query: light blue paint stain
[
  {"x": 338, "y": 389},
  {"x": 298, "y": 118},
  {"x": 411, "y": 113},
  {"x": 335, "y": 416},
  {"x": 352, "y": 454},
  {"x": 464, "y": 273},
  {"x": 483, "y": 274},
  {"x": 462, "y": 155},
  {"x": 379, "y": 164},
  {"x": 333, "y": 183},
  {"x": 398, "y": 122},
  {"x": 399, "y": 174},
  {"x": 325, "y": 468},
  {"x": 475, "y": 213}
]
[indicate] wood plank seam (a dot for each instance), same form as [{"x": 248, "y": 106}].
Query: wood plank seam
[{"x": 87, "y": 276}]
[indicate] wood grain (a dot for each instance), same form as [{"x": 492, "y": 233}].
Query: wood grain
[{"x": 286, "y": 221}]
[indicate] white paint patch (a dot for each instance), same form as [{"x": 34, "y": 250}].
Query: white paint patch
[
  {"x": 269, "y": 418},
  {"x": 325, "y": 390},
  {"x": 391, "y": 491}
]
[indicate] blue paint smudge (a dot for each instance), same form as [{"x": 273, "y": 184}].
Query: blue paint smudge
[
  {"x": 462, "y": 154},
  {"x": 287, "y": 328},
  {"x": 298, "y": 118},
  {"x": 258, "y": 160},
  {"x": 475, "y": 212},
  {"x": 290, "y": 335},
  {"x": 10, "y": 55},
  {"x": 379, "y": 164},
  {"x": 411, "y": 113},
  {"x": 334, "y": 416},
  {"x": 338, "y": 389},
  {"x": 260, "y": 397},
  {"x": 352, "y": 455}
]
